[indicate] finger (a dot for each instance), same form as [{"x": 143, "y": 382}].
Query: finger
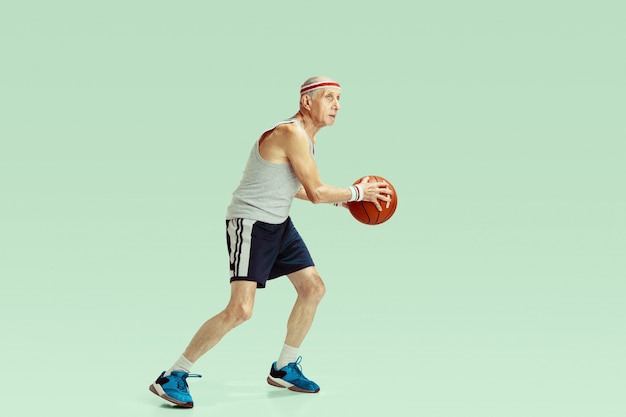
[
  {"x": 383, "y": 185},
  {"x": 386, "y": 201},
  {"x": 364, "y": 180}
]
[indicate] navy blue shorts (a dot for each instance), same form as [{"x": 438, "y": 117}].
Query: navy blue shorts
[{"x": 262, "y": 251}]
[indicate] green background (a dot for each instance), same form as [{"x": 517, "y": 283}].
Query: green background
[{"x": 496, "y": 290}]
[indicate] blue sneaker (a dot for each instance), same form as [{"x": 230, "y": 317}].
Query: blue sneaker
[
  {"x": 291, "y": 377},
  {"x": 174, "y": 388}
]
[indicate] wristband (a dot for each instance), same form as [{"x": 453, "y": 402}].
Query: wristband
[{"x": 357, "y": 193}]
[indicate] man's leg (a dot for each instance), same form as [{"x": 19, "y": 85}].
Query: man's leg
[
  {"x": 172, "y": 385},
  {"x": 238, "y": 310},
  {"x": 310, "y": 289},
  {"x": 286, "y": 372}
]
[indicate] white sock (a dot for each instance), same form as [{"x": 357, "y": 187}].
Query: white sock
[
  {"x": 182, "y": 364},
  {"x": 287, "y": 355}
]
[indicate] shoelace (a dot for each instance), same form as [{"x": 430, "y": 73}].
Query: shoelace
[
  {"x": 184, "y": 380},
  {"x": 297, "y": 368}
]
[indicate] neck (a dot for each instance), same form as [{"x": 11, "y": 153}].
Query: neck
[{"x": 309, "y": 126}]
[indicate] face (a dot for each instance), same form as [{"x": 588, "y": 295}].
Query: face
[{"x": 325, "y": 105}]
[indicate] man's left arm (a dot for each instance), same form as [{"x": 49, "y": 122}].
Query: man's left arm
[{"x": 301, "y": 194}]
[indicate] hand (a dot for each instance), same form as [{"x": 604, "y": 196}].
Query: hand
[{"x": 375, "y": 192}]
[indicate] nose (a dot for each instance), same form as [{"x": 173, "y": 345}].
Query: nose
[{"x": 337, "y": 105}]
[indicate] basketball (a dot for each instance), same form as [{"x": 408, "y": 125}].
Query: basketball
[{"x": 366, "y": 212}]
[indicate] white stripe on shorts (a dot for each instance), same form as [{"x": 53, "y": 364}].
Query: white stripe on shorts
[{"x": 240, "y": 234}]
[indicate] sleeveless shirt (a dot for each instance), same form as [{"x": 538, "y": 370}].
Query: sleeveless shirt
[{"x": 266, "y": 190}]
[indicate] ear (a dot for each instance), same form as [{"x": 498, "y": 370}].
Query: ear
[{"x": 305, "y": 101}]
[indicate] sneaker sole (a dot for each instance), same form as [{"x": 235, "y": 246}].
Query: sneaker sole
[
  {"x": 157, "y": 390},
  {"x": 281, "y": 383}
]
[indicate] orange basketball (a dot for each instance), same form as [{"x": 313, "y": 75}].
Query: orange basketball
[{"x": 366, "y": 212}]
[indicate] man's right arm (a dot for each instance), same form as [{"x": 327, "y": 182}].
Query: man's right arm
[{"x": 296, "y": 147}]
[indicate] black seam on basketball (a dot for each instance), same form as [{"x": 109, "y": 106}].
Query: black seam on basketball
[
  {"x": 377, "y": 221},
  {"x": 364, "y": 207}
]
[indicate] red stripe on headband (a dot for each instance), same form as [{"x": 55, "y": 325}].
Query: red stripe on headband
[{"x": 315, "y": 86}]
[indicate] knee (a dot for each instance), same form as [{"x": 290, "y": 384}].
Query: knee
[
  {"x": 238, "y": 313},
  {"x": 314, "y": 290}
]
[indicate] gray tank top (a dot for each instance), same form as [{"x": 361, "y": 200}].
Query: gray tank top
[{"x": 266, "y": 190}]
